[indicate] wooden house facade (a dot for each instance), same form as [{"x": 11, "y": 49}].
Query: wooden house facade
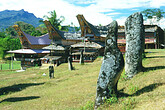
[
  {"x": 29, "y": 57},
  {"x": 73, "y": 44},
  {"x": 61, "y": 42},
  {"x": 31, "y": 51},
  {"x": 154, "y": 35},
  {"x": 91, "y": 50}
]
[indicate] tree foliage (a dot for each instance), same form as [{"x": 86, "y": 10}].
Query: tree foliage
[
  {"x": 151, "y": 13},
  {"x": 10, "y": 41},
  {"x": 56, "y": 22},
  {"x": 27, "y": 28}
]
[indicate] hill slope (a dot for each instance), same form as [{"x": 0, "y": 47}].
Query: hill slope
[
  {"x": 9, "y": 17},
  {"x": 72, "y": 90}
]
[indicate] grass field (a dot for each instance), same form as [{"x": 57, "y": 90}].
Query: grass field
[
  {"x": 6, "y": 65},
  {"x": 76, "y": 90}
]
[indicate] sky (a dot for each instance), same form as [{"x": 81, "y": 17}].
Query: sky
[{"x": 95, "y": 11}]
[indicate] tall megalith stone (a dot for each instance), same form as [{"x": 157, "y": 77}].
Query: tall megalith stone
[
  {"x": 81, "y": 57},
  {"x": 70, "y": 63},
  {"x": 134, "y": 31},
  {"x": 111, "y": 68}
]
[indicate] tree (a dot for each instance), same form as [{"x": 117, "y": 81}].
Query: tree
[
  {"x": 73, "y": 28},
  {"x": 153, "y": 14},
  {"x": 27, "y": 28},
  {"x": 56, "y": 22},
  {"x": 2, "y": 35}
]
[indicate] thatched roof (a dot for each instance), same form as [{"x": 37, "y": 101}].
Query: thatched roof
[
  {"x": 87, "y": 45},
  {"x": 29, "y": 51},
  {"x": 51, "y": 57},
  {"x": 84, "y": 53},
  {"x": 54, "y": 47}
]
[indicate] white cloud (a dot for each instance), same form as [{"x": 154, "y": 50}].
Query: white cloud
[
  {"x": 121, "y": 21},
  {"x": 109, "y": 14},
  {"x": 157, "y": 3},
  {"x": 153, "y": 21},
  {"x": 69, "y": 10},
  {"x": 162, "y": 23},
  {"x": 85, "y": 1}
]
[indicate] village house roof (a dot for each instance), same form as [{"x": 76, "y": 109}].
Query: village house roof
[
  {"x": 29, "y": 51},
  {"x": 97, "y": 30},
  {"x": 54, "y": 47},
  {"x": 102, "y": 31},
  {"x": 42, "y": 40},
  {"x": 88, "y": 45},
  {"x": 51, "y": 58},
  {"x": 57, "y": 34}
]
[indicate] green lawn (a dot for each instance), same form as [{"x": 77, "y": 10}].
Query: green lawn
[
  {"x": 6, "y": 65},
  {"x": 76, "y": 90}
]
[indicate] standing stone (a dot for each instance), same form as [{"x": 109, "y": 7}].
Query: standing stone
[
  {"x": 134, "y": 30},
  {"x": 81, "y": 57},
  {"x": 51, "y": 72},
  {"x": 111, "y": 68},
  {"x": 70, "y": 63}
]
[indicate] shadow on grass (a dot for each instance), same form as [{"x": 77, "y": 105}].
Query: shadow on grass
[
  {"x": 156, "y": 57},
  {"x": 148, "y": 88},
  {"x": 16, "y": 99},
  {"x": 146, "y": 69},
  {"x": 16, "y": 88}
]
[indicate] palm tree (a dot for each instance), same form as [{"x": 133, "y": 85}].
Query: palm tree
[{"x": 56, "y": 22}]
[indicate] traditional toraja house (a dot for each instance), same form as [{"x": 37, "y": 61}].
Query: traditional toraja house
[
  {"x": 58, "y": 54},
  {"x": 91, "y": 51},
  {"x": 32, "y": 48},
  {"x": 154, "y": 35},
  {"x": 71, "y": 42},
  {"x": 29, "y": 57},
  {"x": 32, "y": 42},
  {"x": 97, "y": 33},
  {"x": 61, "y": 37},
  {"x": 93, "y": 33},
  {"x": 61, "y": 41}
]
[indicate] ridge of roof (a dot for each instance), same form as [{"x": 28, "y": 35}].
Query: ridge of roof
[{"x": 42, "y": 40}]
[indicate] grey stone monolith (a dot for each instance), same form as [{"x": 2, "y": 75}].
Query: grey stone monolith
[
  {"x": 111, "y": 68},
  {"x": 81, "y": 57},
  {"x": 134, "y": 31},
  {"x": 70, "y": 63},
  {"x": 51, "y": 72}
]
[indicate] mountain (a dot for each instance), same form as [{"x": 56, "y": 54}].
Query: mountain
[{"x": 9, "y": 17}]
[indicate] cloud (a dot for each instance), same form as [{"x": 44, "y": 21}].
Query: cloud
[
  {"x": 153, "y": 21},
  {"x": 121, "y": 21},
  {"x": 94, "y": 12},
  {"x": 157, "y": 3},
  {"x": 109, "y": 14},
  {"x": 162, "y": 23},
  {"x": 85, "y": 1}
]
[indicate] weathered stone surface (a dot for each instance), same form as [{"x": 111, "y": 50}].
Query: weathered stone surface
[
  {"x": 134, "y": 30},
  {"x": 51, "y": 72},
  {"x": 111, "y": 68},
  {"x": 70, "y": 63},
  {"x": 81, "y": 57}
]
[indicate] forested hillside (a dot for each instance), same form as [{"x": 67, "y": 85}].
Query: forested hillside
[{"x": 9, "y": 17}]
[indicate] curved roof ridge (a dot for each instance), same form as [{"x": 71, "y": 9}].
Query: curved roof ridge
[{"x": 42, "y": 40}]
